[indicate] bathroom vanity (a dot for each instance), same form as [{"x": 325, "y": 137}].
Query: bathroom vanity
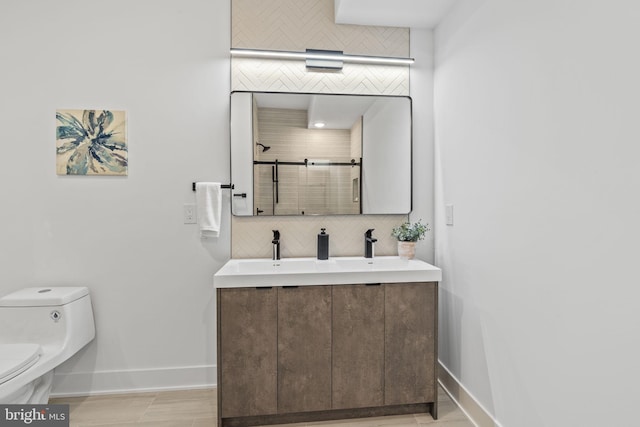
[{"x": 306, "y": 340}]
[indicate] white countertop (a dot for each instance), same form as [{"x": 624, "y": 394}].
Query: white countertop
[{"x": 244, "y": 273}]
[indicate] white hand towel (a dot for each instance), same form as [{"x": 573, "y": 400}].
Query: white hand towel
[{"x": 209, "y": 208}]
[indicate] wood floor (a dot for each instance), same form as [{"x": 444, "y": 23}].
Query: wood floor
[{"x": 197, "y": 408}]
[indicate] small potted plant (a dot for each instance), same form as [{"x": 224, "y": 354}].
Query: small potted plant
[{"x": 408, "y": 234}]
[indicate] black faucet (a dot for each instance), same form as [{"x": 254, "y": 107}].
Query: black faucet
[
  {"x": 276, "y": 245},
  {"x": 369, "y": 243}
]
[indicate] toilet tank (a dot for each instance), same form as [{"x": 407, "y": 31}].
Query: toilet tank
[{"x": 55, "y": 316}]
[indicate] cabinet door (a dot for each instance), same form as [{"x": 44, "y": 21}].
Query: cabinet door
[
  {"x": 410, "y": 343},
  {"x": 358, "y": 346},
  {"x": 247, "y": 346},
  {"x": 304, "y": 349}
]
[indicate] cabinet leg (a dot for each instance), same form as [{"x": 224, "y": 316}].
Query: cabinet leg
[{"x": 434, "y": 410}]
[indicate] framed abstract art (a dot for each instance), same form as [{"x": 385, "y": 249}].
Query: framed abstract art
[{"x": 91, "y": 142}]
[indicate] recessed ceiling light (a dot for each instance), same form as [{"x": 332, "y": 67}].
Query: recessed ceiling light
[{"x": 319, "y": 124}]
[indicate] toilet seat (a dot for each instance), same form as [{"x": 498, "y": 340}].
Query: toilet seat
[{"x": 17, "y": 358}]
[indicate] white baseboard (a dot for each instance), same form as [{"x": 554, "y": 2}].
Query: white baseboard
[
  {"x": 465, "y": 400},
  {"x": 133, "y": 381},
  {"x": 198, "y": 377}
]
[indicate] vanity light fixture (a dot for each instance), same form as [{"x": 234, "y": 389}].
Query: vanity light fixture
[{"x": 331, "y": 59}]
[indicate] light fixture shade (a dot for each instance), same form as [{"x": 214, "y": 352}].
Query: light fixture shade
[{"x": 324, "y": 59}]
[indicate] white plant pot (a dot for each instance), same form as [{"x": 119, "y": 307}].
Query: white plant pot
[{"x": 406, "y": 250}]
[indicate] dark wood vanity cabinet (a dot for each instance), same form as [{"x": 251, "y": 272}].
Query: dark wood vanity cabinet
[
  {"x": 410, "y": 343},
  {"x": 304, "y": 349},
  {"x": 358, "y": 346},
  {"x": 311, "y": 353},
  {"x": 247, "y": 351}
]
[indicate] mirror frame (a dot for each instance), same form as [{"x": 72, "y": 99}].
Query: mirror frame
[{"x": 235, "y": 196}]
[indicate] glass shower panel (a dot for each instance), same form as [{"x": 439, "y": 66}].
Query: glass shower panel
[
  {"x": 313, "y": 182},
  {"x": 286, "y": 191},
  {"x": 263, "y": 191},
  {"x": 328, "y": 189},
  {"x": 319, "y": 188}
]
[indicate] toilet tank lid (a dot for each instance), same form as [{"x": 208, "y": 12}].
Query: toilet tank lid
[{"x": 45, "y": 296}]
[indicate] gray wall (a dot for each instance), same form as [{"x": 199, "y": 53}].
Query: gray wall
[
  {"x": 167, "y": 64},
  {"x": 537, "y": 148},
  {"x": 423, "y": 137}
]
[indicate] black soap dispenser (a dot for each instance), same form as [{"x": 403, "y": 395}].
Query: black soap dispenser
[{"x": 323, "y": 244}]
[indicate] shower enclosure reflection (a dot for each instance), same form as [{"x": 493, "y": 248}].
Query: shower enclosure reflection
[{"x": 312, "y": 154}]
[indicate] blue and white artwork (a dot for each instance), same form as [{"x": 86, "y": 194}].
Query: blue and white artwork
[{"x": 91, "y": 142}]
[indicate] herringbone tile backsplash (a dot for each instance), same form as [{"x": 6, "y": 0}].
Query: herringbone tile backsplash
[
  {"x": 252, "y": 235},
  {"x": 251, "y": 74},
  {"x": 296, "y": 25}
]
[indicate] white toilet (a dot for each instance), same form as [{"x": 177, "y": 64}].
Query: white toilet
[{"x": 39, "y": 329}]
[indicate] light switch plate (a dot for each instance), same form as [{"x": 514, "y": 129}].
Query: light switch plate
[{"x": 448, "y": 212}]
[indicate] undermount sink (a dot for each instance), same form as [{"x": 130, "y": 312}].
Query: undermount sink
[{"x": 310, "y": 271}]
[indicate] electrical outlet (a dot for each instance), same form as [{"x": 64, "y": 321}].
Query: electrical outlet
[{"x": 189, "y": 214}]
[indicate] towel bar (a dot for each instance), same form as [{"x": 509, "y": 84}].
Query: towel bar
[{"x": 230, "y": 186}]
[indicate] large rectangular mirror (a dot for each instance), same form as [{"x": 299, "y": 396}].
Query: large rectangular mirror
[{"x": 320, "y": 154}]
